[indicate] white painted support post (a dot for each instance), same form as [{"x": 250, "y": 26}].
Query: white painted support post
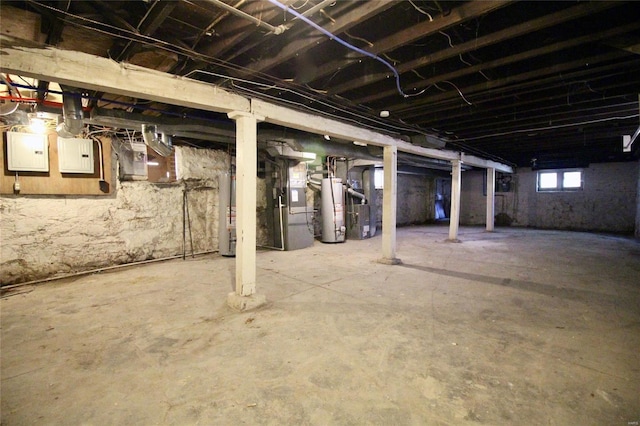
[
  {"x": 245, "y": 296},
  {"x": 491, "y": 198},
  {"x": 389, "y": 206},
  {"x": 454, "y": 220}
]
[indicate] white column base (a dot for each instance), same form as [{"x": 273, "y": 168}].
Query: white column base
[{"x": 245, "y": 303}]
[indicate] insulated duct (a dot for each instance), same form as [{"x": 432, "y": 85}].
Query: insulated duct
[
  {"x": 71, "y": 112},
  {"x": 158, "y": 141}
]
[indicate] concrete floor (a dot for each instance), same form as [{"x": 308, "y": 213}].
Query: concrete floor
[{"x": 513, "y": 327}]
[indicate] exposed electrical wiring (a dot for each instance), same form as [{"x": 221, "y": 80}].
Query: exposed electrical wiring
[
  {"x": 359, "y": 38},
  {"x": 439, "y": 88},
  {"x": 326, "y": 15},
  {"x": 127, "y": 104},
  {"x": 421, "y": 10},
  {"x": 301, "y": 6},
  {"x": 141, "y": 38},
  {"x": 418, "y": 74},
  {"x": 558, "y": 126},
  {"x": 12, "y": 94},
  {"x": 447, "y": 36},
  {"x": 324, "y": 92},
  {"x": 338, "y": 117},
  {"x": 463, "y": 61},
  {"x": 459, "y": 91},
  {"x": 320, "y": 101},
  {"x": 344, "y": 43},
  {"x": 395, "y": 61},
  {"x": 417, "y": 94},
  {"x": 470, "y": 64}
]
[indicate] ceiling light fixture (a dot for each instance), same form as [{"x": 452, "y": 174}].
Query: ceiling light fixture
[{"x": 384, "y": 113}]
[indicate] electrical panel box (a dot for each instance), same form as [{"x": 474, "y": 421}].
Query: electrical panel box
[
  {"x": 133, "y": 161},
  {"x": 27, "y": 152},
  {"x": 75, "y": 155}
]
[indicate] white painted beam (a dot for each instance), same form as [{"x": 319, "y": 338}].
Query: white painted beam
[
  {"x": 475, "y": 161},
  {"x": 389, "y": 205},
  {"x": 96, "y": 73},
  {"x": 454, "y": 219},
  {"x": 307, "y": 122},
  {"x": 491, "y": 197}
]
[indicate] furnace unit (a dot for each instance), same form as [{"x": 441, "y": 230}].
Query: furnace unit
[{"x": 289, "y": 219}]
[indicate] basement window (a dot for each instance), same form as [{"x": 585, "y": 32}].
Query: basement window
[{"x": 559, "y": 180}]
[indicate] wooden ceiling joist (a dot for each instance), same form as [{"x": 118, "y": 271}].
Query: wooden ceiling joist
[
  {"x": 507, "y": 60},
  {"x": 488, "y": 40},
  {"x": 364, "y": 11},
  {"x": 94, "y": 73},
  {"x": 415, "y": 109},
  {"x": 423, "y": 29}
]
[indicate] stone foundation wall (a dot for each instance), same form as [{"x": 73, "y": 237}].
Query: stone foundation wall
[
  {"x": 44, "y": 236},
  {"x": 415, "y": 198}
]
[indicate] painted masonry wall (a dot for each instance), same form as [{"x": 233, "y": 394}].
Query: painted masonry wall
[
  {"x": 415, "y": 199},
  {"x": 44, "y": 236},
  {"x": 608, "y": 202}
]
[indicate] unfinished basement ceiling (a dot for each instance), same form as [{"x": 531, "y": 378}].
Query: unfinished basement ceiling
[{"x": 538, "y": 83}]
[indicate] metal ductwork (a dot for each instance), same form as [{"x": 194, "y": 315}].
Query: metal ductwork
[
  {"x": 71, "y": 113},
  {"x": 158, "y": 141},
  {"x": 279, "y": 149}
]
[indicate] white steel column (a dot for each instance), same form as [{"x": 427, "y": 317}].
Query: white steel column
[
  {"x": 246, "y": 180},
  {"x": 389, "y": 205},
  {"x": 454, "y": 220},
  {"x": 491, "y": 198}
]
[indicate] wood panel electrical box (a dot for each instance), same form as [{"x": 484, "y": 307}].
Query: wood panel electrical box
[
  {"x": 27, "y": 152},
  {"x": 75, "y": 155}
]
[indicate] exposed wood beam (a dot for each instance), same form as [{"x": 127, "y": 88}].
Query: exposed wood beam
[
  {"x": 541, "y": 99},
  {"x": 105, "y": 75},
  {"x": 295, "y": 32},
  {"x": 107, "y": 11},
  {"x": 160, "y": 10},
  {"x": 490, "y": 39},
  {"x": 416, "y": 107},
  {"x": 545, "y": 50},
  {"x": 95, "y": 73},
  {"x": 365, "y": 11},
  {"x": 53, "y": 38},
  {"x": 232, "y": 32},
  {"x": 423, "y": 29},
  {"x": 324, "y": 126},
  {"x": 550, "y": 112},
  {"x": 551, "y": 119}
]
